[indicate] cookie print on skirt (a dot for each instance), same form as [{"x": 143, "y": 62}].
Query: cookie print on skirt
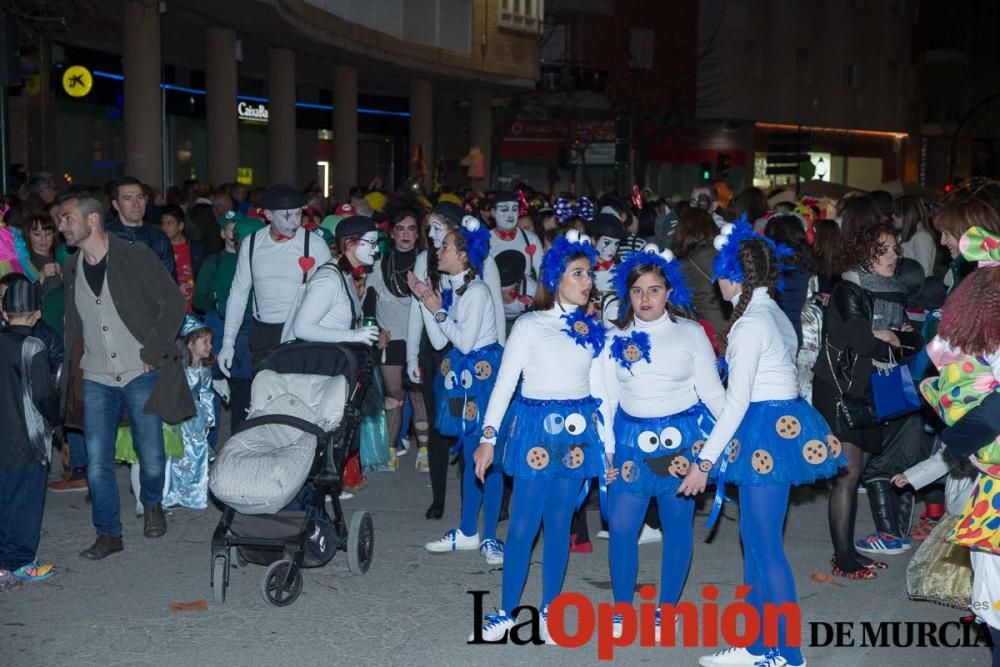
[
  {"x": 551, "y": 439},
  {"x": 654, "y": 454},
  {"x": 462, "y": 389},
  {"x": 783, "y": 442}
]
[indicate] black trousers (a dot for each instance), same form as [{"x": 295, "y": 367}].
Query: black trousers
[
  {"x": 438, "y": 445},
  {"x": 264, "y": 338}
]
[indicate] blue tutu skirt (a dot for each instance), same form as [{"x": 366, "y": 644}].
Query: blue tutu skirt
[
  {"x": 462, "y": 389},
  {"x": 653, "y": 455},
  {"x": 783, "y": 442},
  {"x": 552, "y": 439}
]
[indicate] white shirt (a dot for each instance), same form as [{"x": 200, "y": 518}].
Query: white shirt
[
  {"x": 681, "y": 370},
  {"x": 532, "y": 260},
  {"x": 470, "y": 323},
  {"x": 277, "y": 276},
  {"x": 416, "y": 326},
  {"x": 391, "y": 311},
  {"x": 325, "y": 314},
  {"x": 553, "y": 365},
  {"x": 761, "y": 357}
]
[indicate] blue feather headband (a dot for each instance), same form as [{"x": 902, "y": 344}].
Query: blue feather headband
[
  {"x": 477, "y": 242},
  {"x": 727, "y": 263},
  {"x": 650, "y": 255},
  {"x": 555, "y": 259}
]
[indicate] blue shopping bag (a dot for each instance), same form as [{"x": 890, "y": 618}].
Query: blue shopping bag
[{"x": 894, "y": 392}]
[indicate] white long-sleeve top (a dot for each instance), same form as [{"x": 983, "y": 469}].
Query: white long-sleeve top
[
  {"x": 470, "y": 323},
  {"x": 276, "y": 278},
  {"x": 761, "y": 357},
  {"x": 492, "y": 279},
  {"x": 324, "y": 316},
  {"x": 391, "y": 311},
  {"x": 523, "y": 239},
  {"x": 681, "y": 371},
  {"x": 552, "y": 364}
]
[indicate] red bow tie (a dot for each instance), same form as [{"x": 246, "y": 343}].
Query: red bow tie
[
  {"x": 603, "y": 265},
  {"x": 506, "y": 235}
]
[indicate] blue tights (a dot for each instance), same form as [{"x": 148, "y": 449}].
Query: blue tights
[
  {"x": 765, "y": 567},
  {"x": 536, "y": 502},
  {"x": 626, "y": 512},
  {"x": 475, "y": 494}
]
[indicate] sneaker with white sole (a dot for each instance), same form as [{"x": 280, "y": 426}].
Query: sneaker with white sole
[
  {"x": 404, "y": 447},
  {"x": 602, "y": 535},
  {"x": 774, "y": 659},
  {"x": 543, "y": 628},
  {"x": 650, "y": 535},
  {"x": 454, "y": 540},
  {"x": 492, "y": 551},
  {"x": 495, "y": 626},
  {"x": 730, "y": 657},
  {"x": 422, "y": 463},
  {"x": 880, "y": 543},
  {"x": 616, "y": 626}
]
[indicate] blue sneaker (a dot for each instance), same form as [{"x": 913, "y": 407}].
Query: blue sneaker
[
  {"x": 492, "y": 551},
  {"x": 880, "y": 543},
  {"x": 34, "y": 571},
  {"x": 495, "y": 626}
]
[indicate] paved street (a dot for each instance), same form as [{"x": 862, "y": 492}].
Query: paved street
[{"x": 410, "y": 608}]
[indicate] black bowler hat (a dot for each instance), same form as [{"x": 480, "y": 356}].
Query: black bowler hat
[
  {"x": 605, "y": 224},
  {"x": 355, "y": 225},
  {"x": 281, "y": 197},
  {"x": 505, "y": 195},
  {"x": 450, "y": 210}
]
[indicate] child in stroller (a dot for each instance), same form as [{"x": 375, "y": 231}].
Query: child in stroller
[{"x": 275, "y": 472}]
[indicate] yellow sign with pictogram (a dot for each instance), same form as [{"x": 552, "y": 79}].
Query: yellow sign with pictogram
[{"x": 77, "y": 81}]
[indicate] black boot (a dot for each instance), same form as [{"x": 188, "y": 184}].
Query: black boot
[
  {"x": 903, "y": 500},
  {"x": 880, "y": 498}
]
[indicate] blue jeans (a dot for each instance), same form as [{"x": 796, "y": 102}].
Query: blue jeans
[
  {"x": 77, "y": 448},
  {"x": 22, "y": 498},
  {"x": 102, "y": 408}
]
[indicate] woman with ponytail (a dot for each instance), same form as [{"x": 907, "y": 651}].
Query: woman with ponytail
[
  {"x": 462, "y": 315},
  {"x": 770, "y": 438}
]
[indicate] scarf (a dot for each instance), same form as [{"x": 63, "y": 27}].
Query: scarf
[{"x": 889, "y": 295}]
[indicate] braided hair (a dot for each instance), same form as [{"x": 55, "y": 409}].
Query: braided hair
[
  {"x": 458, "y": 240},
  {"x": 760, "y": 269}
]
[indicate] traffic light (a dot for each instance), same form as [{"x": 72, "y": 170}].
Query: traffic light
[
  {"x": 706, "y": 171},
  {"x": 722, "y": 165}
]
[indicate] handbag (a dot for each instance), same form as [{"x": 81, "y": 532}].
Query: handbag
[
  {"x": 894, "y": 392},
  {"x": 852, "y": 412}
]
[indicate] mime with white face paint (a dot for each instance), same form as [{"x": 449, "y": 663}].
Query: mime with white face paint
[
  {"x": 607, "y": 232},
  {"x": 507, "y": 237},
  {"x": 330, "y": 311},
  {"x": 274, "y": 263}
]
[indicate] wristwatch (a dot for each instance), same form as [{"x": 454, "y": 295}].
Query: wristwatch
[
  {"x": 489, "y": 432},
  {"x": 704, "y": 465},
  {"x": 440, "y": 316}
]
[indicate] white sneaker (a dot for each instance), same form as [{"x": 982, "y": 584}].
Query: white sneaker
[
  {"x": 492, "y": 551},
  {"x": 616, "y": 626},
  {"x": 346, "y": 495},
  {"x": 773, "y": 659},
  {"x": 422, "y": 463},
  {"x": 602, "y": 535},
  {"x": 650, "y": 535},
  {"x": 405, "y": 449},
  {"x": 544, "y": 628},
  {"x": 495, "y": 626},
  {"x": 730, "y": 657},
  {"x": 454, "y": 540}
]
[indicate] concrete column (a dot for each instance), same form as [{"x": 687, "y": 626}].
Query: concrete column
[
  {"x": 41, "y": 115},
  {"x": 345, "y": 130},
  {"x": 481, "y": 131},
  {"x": 281, "y": 116},
  {"x": 220, "y": 105},
  {"x": 422, "y": 121},
  {"x": 142, "y": 111}
]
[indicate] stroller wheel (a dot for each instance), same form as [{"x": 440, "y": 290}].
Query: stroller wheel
[
  {"x": 360, "y": 542},
  {"x": 277, "y": 587},
  {"x": 219, "y": 567},
  {"x": 236, "y": 557}
]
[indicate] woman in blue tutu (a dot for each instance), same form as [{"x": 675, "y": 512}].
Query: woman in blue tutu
[
  {"x": 462, "y": 314},
  {"x": 772, "y": 438},
  {"x": 549, "y": 434},
  {"x": 658, "y": 384}
]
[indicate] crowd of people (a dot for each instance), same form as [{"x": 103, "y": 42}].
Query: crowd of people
[{"x": 659, "y": 347}]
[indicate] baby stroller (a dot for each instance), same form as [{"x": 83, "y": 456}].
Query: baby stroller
[{"x": 274, "y": 474}]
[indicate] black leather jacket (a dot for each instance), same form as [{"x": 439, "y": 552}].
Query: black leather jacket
[
  {"x": 25, "y": 440},
  {"x": 847, "y": 334}
]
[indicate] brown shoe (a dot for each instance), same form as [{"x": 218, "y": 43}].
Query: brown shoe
[
  {"x": 104, "y": 546},
  {"x": 154, "y": 522},
  {"x": 75, "y": 481}
]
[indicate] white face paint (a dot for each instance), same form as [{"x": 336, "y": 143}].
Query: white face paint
[
  {"x": 367, "y": 248},
  {"x": 437, "y": 230},
  {"x": 507, "y": 214},
  {"x": 606, "y": 247},
  {"x": 286, "y": 222}
]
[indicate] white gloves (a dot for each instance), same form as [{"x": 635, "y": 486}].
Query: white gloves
[
  {"x": 367, "y": 335},
  {"x": 221, "y": 388},
  {"x": 413, "y": 371},
  {"x": 225, "y": 358}
]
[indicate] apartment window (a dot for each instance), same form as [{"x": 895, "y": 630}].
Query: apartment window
[
  {"x": 851, "y": 76},
  {"x": 525, "y": 15},
  {"x": 803, "y": 66},
  {"x": 752, "y": 59}
]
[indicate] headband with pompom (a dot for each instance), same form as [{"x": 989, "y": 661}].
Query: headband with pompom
[
  {"x": 727, "y": 262},
  {"x": 477, "y": 242},
  {"x": 566, "y": 208},
  {"x": 555, "y": 259},
  {"x": 651, "y": 255}
]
